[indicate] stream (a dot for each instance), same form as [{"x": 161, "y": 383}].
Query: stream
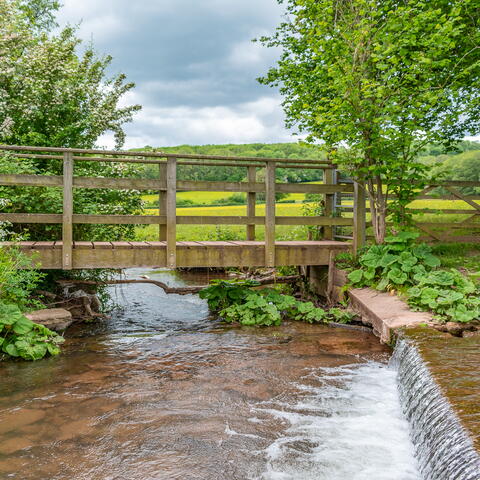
[{"x": 161, "y": 391}]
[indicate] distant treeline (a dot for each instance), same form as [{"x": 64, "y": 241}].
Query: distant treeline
[
  {"x": 232, "y": 174},
  {"x": 463, "y": 164}
]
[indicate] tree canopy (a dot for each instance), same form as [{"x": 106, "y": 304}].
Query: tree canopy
[
  {"x": 383, "y": 78},
  {"x": 51, "y": 94}
]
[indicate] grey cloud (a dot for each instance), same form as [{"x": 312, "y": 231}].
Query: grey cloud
[{"x": 195, "y": 54}]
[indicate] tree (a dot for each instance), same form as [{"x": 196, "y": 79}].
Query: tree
[
  {"x": 50, "y": 95},
  {"x": 377, "y": 80}
]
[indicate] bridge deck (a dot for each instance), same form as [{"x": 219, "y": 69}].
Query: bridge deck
[{"x": 189, "y": 254}]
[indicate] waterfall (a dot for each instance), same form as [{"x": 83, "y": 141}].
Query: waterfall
[{"x": 444, "y": 449}]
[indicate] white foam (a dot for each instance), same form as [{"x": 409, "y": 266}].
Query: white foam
[{"x": 348, "y": 425}]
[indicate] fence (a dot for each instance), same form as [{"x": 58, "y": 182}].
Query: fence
[{"x": 168, "y": 185}]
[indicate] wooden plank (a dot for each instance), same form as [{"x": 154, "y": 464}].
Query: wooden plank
[
  {"x": 162, "y": 219},
  {"x": 465, "y": 198},
  {"x": 270, "y": 202},
  {"x": 115, "y": 153},
  {"x": 190, "y": 254},
  {"x": 162, "y": 203},
  {"x": 31, "y": 180},
  {"x": 251, "y": 203},
  {"x": 117, "y": 183},
  {"x": 359, "y": 217},
  {"x": 171, "y": 206},
  {"x": 314, "y": 187},
  {"x": 329, "y": 178},
  {"x": 67, "y": 229},
  {"x": 31, "y": 218}
]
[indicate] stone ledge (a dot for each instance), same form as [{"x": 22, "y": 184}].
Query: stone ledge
[
  {"x": 57, "y": 319},
  {"x": 385, "y": 312}
]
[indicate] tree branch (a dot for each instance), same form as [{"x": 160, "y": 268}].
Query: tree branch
[{"x": 175, "y": 290}]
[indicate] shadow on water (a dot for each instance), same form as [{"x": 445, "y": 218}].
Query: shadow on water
[{"x": 161, "y": 391}]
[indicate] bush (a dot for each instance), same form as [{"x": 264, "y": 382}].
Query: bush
[
  {"x": 22, "y": 338},
  {"x": 401, "y": 264},
  {"x": 235, "y": 301},
  {"x": 17, "y": 278}
]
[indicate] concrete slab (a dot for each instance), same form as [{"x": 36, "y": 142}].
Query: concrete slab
[{"x": 384, "y": 312}]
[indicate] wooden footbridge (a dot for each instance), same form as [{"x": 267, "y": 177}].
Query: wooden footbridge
[{"x": 68, "y": 253}]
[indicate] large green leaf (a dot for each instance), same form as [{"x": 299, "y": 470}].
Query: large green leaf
[{"x": 22, "y": 326}]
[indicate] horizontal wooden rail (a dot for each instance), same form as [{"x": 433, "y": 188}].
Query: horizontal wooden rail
[
  {"x": 44, "y": 218},
  {"x": 142, "y": 154},
  {"x": 182, "y": 185},
  {"x": 319, "y": 166}
]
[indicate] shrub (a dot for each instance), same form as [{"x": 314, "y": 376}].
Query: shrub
[{"x": 22, "y": 338}]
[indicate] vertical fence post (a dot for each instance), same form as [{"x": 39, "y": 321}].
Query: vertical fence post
[
  {"x": 171, "y": 211},
  {"x": 67, "y": 222},
  {"x": 270, "y": 214},
  {"x": 251, "y": 200},
  {"x": 359, "y": 217},
  {"x": 329, "y": 179},
  {"x": 162, "y": 202}
]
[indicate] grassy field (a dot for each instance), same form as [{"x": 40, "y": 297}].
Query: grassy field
[
  {"x": 236, "y": 232},
  {"x": 206, "y": 198}
]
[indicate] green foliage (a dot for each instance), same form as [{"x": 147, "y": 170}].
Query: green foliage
[
  {"x": 411, "y": 268},
  {"x": 223, "y": 293},
  {"x": 20, "y": 337},
  {"x": 448, "y": 294},
  {"x": 235, "y": 301},
  {"x": 399, "y": 262},
  {"x": 51, "y": 95},
  {"x": 385, "y": 78},
  {"x": 17, "y": 278}
]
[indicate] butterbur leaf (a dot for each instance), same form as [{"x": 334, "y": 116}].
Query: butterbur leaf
[
  {"x": 355, "y": 276},
  {"x": 382, "y": 285},
  {"x": 369, "y": 274},
  {"x": 11, "y": 350},
  {"x": 23, "y": 326},
  {"x": 388, "y": 259},
  {"x": 397, "y": 276},
  {"x": 431, "y": 261}
]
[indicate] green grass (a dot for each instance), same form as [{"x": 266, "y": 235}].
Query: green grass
[
  {"x": 463, "y": 256},
  {"x": 237, "y": 232},
  {"x": 225, "y": 232},
  {"x": 206, "y": 198}
]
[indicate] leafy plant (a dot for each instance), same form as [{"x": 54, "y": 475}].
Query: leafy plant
[
  {"x": 223, "y": 293},
  {"x": 448, "y": 294},
  {"x": 397, "y": 263},
  {"x": 20, "y": 337},
  {"x": 235, "y": 301},
  {"x": 17, "y": 278},
  {"x": 411, "y": 268}
]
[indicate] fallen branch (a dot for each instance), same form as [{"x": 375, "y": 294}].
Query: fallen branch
[{"x": 176, "y": 290}]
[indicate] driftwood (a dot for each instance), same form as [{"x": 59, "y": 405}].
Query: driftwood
[{"x": 176, "y": 290}]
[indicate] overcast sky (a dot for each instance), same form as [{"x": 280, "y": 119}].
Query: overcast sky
[{"x": 194, "y": 65}]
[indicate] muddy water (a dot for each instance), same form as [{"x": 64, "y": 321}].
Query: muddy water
[{"x": 160, "y": 391}]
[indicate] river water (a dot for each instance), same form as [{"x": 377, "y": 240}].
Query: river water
[{"x": 161, "y": 391}]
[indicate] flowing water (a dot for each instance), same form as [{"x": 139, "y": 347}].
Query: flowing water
[
  {"x": 162, "y": 391},
  {"x": 444, "y": 449}
]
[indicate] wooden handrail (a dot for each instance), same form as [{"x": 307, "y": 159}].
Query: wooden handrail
[{"x": 115, "y": 153}]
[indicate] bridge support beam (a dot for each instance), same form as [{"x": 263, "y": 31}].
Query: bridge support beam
[
  {"x": 171, "y": 207},
  {"x": 67, "y": 221},
  {"x": 270, "y": 214}
]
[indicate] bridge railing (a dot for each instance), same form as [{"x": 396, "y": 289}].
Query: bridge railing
[{"x": 168, "y": 185}]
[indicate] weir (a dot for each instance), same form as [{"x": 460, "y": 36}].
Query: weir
[{"x": 444, "y": 449}]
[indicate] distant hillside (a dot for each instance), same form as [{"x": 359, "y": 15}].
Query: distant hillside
[{"x": 463, "y": 163}]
